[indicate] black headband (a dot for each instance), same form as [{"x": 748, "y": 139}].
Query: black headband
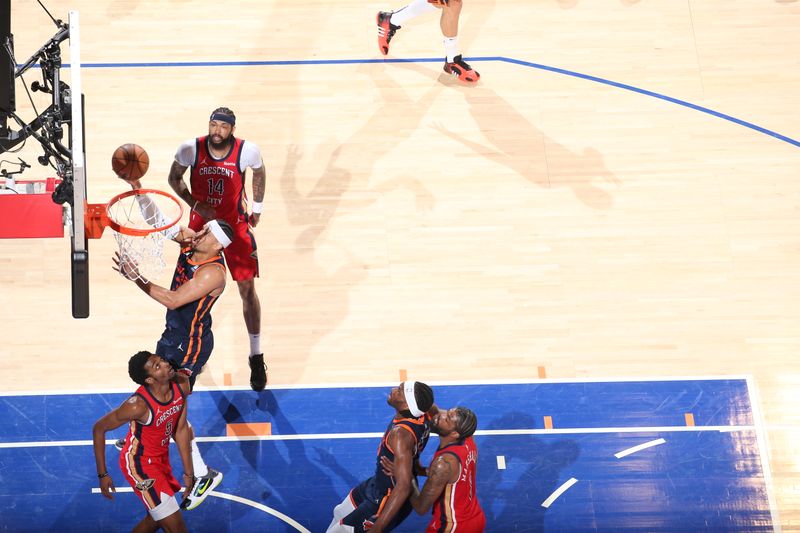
[{"x": 222, "y": 117}]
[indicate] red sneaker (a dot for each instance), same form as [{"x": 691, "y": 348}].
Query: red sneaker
[
  {"x": 461, "y": 70},
  {"x": 385, "y": 31}
]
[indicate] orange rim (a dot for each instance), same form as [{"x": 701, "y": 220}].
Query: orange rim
[{"x": 135, "y": 232}]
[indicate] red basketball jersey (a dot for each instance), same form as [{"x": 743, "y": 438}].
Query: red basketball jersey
[
  {"x": 219, "y": 182},
  {"x": 457, "y": 509},
  {"x": 152, "y": 439}
]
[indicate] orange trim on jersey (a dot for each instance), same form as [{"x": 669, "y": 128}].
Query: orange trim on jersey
[
  {"x": 209, "y": 260},
  {"x": 418, "y": 421},
  {"x": 410, "y": 431},
  {"x": 194, "y": 348},
  {"x": 398, "y": 425},
  {"x": 383, "y": 503}
]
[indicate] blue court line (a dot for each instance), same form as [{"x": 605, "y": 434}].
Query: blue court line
[{"x": 512, "y": 61}]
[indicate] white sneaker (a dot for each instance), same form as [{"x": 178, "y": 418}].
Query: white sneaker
[{"x": 201, "y": 489}]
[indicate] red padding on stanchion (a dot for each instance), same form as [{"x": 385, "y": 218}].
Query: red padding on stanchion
[{"x": 27, "y": 216}]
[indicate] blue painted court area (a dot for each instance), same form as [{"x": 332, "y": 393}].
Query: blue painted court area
[{"x": 669, "y": 476}]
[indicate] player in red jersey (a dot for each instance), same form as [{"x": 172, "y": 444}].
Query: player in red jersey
[
  {"x": 156, "y": 412},
  {"x": 218, "y": 162},
  {"x": 450, "y": 488},
  {"x": 391, "y": 21}
]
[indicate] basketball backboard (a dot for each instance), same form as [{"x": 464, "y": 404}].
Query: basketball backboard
[{"x": 80, "y": 246}]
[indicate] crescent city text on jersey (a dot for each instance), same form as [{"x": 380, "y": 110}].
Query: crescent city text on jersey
[
  {"x": 207, "y": 171},
  {"x": 166, "y": 414}
]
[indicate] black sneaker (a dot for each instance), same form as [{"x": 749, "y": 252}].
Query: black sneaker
[
  {"x": 119, "y": 443},
  {"x": 385, "y": 31},
  {"x": 258, "y": 372}
]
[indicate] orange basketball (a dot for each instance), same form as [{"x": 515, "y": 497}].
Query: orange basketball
[{"x": 130, "y": 161}]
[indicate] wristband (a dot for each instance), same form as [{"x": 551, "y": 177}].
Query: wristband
[
  {"x": 257, "y": 207},
  {"x": 101, "y": 476}
]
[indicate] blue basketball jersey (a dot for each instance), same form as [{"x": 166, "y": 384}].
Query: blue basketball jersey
[
  {"x": 419, "y": 428},
  {"x": 193, "y": 319}
]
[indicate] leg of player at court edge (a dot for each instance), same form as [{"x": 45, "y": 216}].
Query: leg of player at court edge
[
  {"x": 390, "y": 21},
  {"x": 454, "y": 64},
  {"x": 172, "y": 524},
  {"x": 339, "y": 512},
  {"x": 206, "y": 479},
  {"x": 251, "y": 308}
]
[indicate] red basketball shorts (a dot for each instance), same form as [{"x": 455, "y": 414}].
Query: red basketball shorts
[{"x": 241, "y": 255}]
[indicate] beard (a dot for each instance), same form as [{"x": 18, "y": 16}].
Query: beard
[{"x": 224, "y": 143}]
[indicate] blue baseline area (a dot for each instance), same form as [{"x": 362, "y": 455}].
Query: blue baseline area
[{"x": 696, "y": 480}]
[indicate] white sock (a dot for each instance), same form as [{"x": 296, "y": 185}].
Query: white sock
[
  {"x": 200, "y": 468},
  {"x": 255, "y": 344},
  {"x": 451, "y": 48},
  {"x": 412, "y": 10}
]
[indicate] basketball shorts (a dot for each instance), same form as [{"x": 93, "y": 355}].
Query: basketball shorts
[
  {"x": 152, "y": 480},
  {"x": 185, "y": 352},
  {"x": 368, "y": 502},
  {"x": 475, "y": 524},
  {"x": 241, "y": 256}
]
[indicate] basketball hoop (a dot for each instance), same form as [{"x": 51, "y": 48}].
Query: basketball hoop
[{"x": 141, "y": 220}]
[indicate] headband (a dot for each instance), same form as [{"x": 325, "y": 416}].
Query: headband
[
  {"x": 222, "y": 117},
  {"x": 216, "y": 229},
  {"x": 408, "y": 388}
]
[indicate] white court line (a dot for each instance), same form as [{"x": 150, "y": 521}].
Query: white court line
[
  {"x": 373, "y": 385},
  {"x": 501, "y": 462},
  {"x": 558, "y": 492},
  {"x": 238, "y": 499},
  {"x": 640, "y": 447},
  {"x": 487, "y": 432},
  {"x": 763, "y": 448}
]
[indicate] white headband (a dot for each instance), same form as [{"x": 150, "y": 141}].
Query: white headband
[
  {"x": 408, "y": 388},
  {"x": 216, "y": 229}
]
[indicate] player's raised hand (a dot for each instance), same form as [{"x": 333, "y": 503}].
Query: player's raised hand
[
  {"x": 126, "y": 266},
  {"x": 439, "y": 3}
]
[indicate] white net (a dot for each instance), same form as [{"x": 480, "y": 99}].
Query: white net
[{"x": 149, "y": 216}]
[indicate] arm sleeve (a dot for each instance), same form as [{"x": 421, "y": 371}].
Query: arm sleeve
[
  {"x": 186, "y": 153},
  {"x": 251, "y": 156}
]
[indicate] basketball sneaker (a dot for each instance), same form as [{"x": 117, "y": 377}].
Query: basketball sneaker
[
  {"x": 119, "y": 443},
  {"x": 385, "y": 31},
  {"x": 460, "y": 69},
  {"x": 258, "y": 372},
  {"x": 201, "y": 489}
]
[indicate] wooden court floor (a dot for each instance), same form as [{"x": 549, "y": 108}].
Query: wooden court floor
[{"x": 541, "y": 223}]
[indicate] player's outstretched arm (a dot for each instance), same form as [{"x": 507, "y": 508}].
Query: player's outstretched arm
[
  {"x": 208, "y": 280},
  {"x": 443, "y": 470},
  {"x": 134, "y": 408}
]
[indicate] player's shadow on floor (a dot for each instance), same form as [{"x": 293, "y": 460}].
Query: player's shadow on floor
[
  {"x": 512, "y": 498},
  {"x": 281, "y": 474}
]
